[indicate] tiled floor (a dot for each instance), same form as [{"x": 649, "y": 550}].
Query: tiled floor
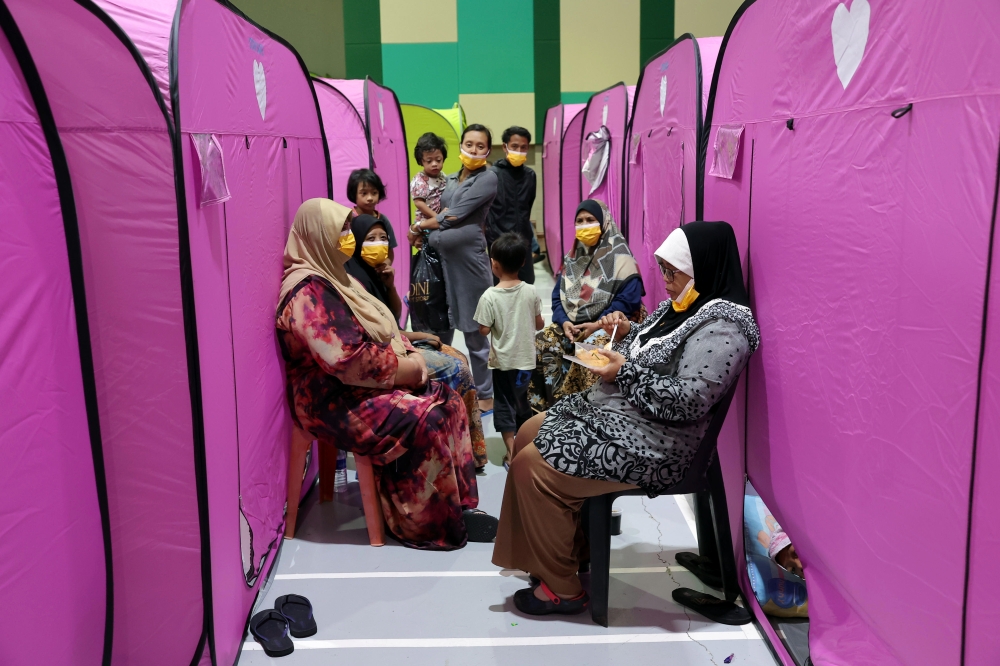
[{"x": 393, "y": 605}]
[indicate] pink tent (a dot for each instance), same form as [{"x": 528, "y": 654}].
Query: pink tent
[
  {"x": 854, "y": 150},
  {"x": 55, "y": 552},
  {"x": 609, "y": 108},
  {"x": 570, "y": 160},
  {"x": 383, "y": 124},
  {"x": 557, "y": 119},
  {"x": 662, "y": 168},
  {"x": 191, "y": 137},
  {"x": 346, "y": 137}
]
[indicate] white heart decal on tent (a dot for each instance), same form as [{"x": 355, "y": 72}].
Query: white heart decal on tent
[
  {"x": 381, "y": 116},
  {"x": 663, "y": 93},
  {"x": 850, "y": 37},
  {"x": 555, "y": 125},
  {"x": 260, "y": 83},
  {"x": 604, "y": 115}
]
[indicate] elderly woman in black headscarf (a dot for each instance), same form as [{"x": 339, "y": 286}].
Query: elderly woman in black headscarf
[
  {"x": 599, "y": 276},
  {"x": 640, "y": 426}
]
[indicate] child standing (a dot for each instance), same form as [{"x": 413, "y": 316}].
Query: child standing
[
  {"x": 511, "y": 312},
  {"x": 365, "y": 190},
  {"x": 427, "y": 186}
]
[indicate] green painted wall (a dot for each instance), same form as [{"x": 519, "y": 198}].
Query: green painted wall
[
  {"x": 362, "y": 39},
  {"x": 547, "y": 80},
  {"x": 314, "y": 27},
  {"x": 656, "y": 27}
]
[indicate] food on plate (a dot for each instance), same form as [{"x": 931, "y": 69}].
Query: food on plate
[{"x": 593, "y": 357}]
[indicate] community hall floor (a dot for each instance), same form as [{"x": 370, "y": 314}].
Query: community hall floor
[{"x": 394, "y": 605}]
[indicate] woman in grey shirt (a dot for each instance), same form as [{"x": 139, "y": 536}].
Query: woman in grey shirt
[
  {"x": 458, "y": 234},
  {"x": 640, "y": 426}
]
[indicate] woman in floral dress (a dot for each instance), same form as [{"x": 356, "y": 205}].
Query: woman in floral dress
[{"x": 355, "y": 380}]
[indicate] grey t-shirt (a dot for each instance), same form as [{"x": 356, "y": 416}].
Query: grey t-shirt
[{"x": 510, "y": 313}]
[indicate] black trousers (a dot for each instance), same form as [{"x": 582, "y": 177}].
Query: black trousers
[{"x": 510, "y": 399}]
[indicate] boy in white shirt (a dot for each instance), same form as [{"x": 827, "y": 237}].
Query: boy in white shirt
[{"x": 510, "y": 312}]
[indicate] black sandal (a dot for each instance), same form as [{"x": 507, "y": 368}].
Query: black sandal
[
  {"x": 715, "y": 609},
  {"x": 299, "y": 612},
  {"x": 702, "y": 567},
  {"x": 526, "y": 602},
  {"x": 481, "y": 526},
  {"x": 270, "y": 629}
]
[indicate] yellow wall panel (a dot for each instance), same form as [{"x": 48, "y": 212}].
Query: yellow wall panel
[
  {"x": 704, "y": 18},
  {"x": 418, "y": 21},
  {"x": 498, "y": 111},
  {"x": 598, "y": 43}
]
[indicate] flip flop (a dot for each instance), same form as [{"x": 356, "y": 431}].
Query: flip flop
[
  {"x": 299, "y": 612},
  {"x": 270, "y": 629},
  {"x": 702, "y": 567},
  {"x": 481, "y": 526},
  {"x": 526, "y": 602},
  {"x": 716, "y": 610}
]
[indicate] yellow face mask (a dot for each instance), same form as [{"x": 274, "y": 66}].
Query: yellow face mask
[
  {"x": 588, "y": 234},
  {"x": 472, "y": 162},
  {"x": 347, "y": 243},
  {"x": 688, "y": 296},
  {"x": 374, "y": 252},
  {"x": 516, "y": 159}
]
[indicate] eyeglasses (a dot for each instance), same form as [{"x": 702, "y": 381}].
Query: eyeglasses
[{"x": 668, "y": 273}]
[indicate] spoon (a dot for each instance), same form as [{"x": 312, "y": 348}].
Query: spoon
[{"x": 614, "y": 332}]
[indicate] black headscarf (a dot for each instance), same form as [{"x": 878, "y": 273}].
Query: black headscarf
[
  {"x": 717, "y": 274},
  {"x": 358, "y": 267},
  {"x": 592, "y": 207}
]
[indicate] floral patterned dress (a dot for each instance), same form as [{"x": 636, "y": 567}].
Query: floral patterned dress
[{"x": 340, "y": 386}]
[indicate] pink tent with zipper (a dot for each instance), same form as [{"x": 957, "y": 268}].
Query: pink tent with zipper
[
  {"x": 346, "y": 137},
  {"x": 609, "y": 109},
  {"x": 854, "y": 149},
  {"x": 55, "y": 556},
  {"x": 191, "y": 137},
  {"x": 379, "y": 108},
  {"x": 662, "y": 168},
  {"x": 557, "y": 120}
]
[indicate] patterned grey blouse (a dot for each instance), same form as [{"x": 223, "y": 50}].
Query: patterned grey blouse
[{"x": 644, "y": 428}]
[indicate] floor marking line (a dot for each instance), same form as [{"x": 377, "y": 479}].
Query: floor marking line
[
  {"x": 685, "y": 508},
  {"x": 526, "y": 641},
  {"x": 504, "y": 573}
]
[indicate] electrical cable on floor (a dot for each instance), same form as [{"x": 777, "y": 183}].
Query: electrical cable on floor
[{"x": 659, "y": 556}]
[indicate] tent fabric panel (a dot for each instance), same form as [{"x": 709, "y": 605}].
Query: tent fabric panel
[
  {"x": 52, "y": 545},
  {"x": 892, "y": 407},
  {"x": 148, "y": 25},
  {"x": 387, "y": 137},
  {"x": 66, "y": 24},
  {"x": 850, "y": 166},
  {"x": 570, "y": 164},
  {"x": 982, "y": 643},
  {"x": 661, "y": 158},
  {"x": 708, "y": 50},
  {"x": 607, "y": 108},
  {"x": 274, "y": 157},
  {"x": 353, "y": 89},
  {"x": 257, "y": 85},
  {"x": 345, "y": 136},
  {"x": 123, "y": 185},
  {"x": 551, "y": 149}
]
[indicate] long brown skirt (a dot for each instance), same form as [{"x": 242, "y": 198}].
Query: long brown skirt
[{"x": 540, "y": 521}]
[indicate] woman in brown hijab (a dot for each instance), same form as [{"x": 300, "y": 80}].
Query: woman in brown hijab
[{"x": 355, "y": 380}]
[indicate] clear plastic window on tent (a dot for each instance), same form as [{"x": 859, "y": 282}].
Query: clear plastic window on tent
[
  {"x": 213, "y": 188},
  {"x": 727, "y": 150},
  {"x": 596, "y": 166}
]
